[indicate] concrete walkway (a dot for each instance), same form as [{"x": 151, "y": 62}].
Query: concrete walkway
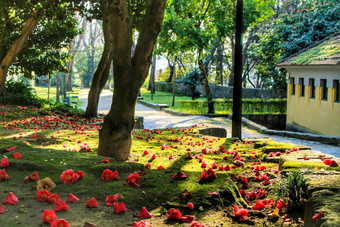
[{"x": 154, "y": 119}]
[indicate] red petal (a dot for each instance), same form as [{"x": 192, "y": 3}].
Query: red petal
[
  {"x": 72, "y": 198},
  {"x": 60, "y": 205},
  {"x": 119, "y": 207},
  {"x": 187, "y": 218},
  {"x": 10, "y": 199},
  {"x": 144, "y": 213}
]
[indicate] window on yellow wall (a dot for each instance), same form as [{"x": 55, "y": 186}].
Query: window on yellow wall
[
  {"x": 302, "y": 84},
  {"x": 292, "y": 82},
  {"x": 323, "y": 85},
  {"x": 312, "y": 87},
  {"x": 336, "y": 85}
]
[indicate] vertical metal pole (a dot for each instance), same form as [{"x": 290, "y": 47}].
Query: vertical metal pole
[{"x": 237, "y": 91}]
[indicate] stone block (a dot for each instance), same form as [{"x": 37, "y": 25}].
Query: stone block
[
  {"x": 139, "y": 122},
  {"x": 217, "y": 132}
]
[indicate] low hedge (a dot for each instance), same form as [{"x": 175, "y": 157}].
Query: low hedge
[{"x": 249, "y": 106}]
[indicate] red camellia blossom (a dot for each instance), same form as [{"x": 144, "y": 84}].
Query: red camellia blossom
[
  {"x": 190, "y": 205},
  {"x": 60, "y": 223},
  {"x": 179, "y": 175},
  {"x": 240, "y": 213},
  {"x": 108, "y": 175},
  {"x": 10, "y": 199},
  {"x": 110, "y": 199},
  {"x": 196, "y": 224},
  {"x": 80, "y": 174},
  {"x": 4, "y": 162},
  {"x": 60, "y": 205},
  {"x": 43, "y": 195},
  {"x": 144, "y": 214},
  {"x": 92, "y": 203},
  {"x": 160, "y": 167},
  {"x": 133, "y": 180},
  {"x": 105, "y": 160},
  {"x": 16, "y": 155},
  {"x": 317, "y": 216},
  {"x": 72, "y": 198},
  {"x": 34, "y": 177},
  {"x": 266, "y": 182},
  {"x": 141, "y": 223},
  {"x": 174, "y": 214},
  {"x": 2, "y": 210},
  {"x": 187, "y": 218},
  {"x": 3, "y": 175},
  {"x": 259, "y": 205},
  {"x": 204, "y": 164},
  {"x": 280, "y": 204},
  {"x": 53, "y": 198},
  {"x": 171, "y": 157},
  {"x": 69, "y": 177},
  {"x": 153, "y": 156},
  {"x": 119, "y": 208},
  {"x": 10, "y": 149},
  {"x": 214, "y": 165},
  {"x": 333, "y": 164},
  {"x": 48, "y": 216},
  {"x": 327, "y": 161}
]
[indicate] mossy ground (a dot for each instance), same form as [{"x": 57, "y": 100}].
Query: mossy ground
[{"x": 46, "y": 145}]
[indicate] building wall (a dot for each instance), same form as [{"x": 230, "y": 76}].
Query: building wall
[{"x": 313, "y": 114}]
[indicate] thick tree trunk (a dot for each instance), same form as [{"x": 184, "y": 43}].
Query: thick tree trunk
[
  {"x": 101, "y": 75},
  {"x": 115, "y": 137},
  {"x": 16, "y": 48},
  {"x": 211, "y": 108}
]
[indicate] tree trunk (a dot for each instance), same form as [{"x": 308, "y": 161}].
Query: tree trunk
[
  {"x": 231, "y": 76},
  {"x": 219, "y": 62},
  {"x": 211, "y": 108},
  {"x": 49, "y": 87},
  {"x": 57, "y": 99},
  {"x": 152, "y": 77},
  {"x": 174, "y": 82},
  {"x": 16, "y": 48},
  {"x": 101, "y": 75},
  {"x": 115, "y": 137}
]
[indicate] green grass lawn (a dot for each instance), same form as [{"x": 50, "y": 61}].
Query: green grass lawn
[
  {"x": 161, "y": 97},
  {"x": 42, "y": 92}
]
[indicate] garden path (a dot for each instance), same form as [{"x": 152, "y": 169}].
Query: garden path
[{"x": 154, "y": 119}]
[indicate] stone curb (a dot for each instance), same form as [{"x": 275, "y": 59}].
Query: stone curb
[{"x": 252, "y": 125}]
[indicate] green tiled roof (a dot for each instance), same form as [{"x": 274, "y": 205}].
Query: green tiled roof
[{"x": 325, "y": 53}]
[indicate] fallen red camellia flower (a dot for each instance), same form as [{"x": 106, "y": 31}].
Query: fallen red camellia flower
[
  {"x": 69, "y": 177},
  {"x": 16, "y": 155},
  {"x": 187, "y": 219},
  {"x": 327, "y": 161},
  {"x": 43, "y": 195},
  {"x": 317, "y": 216},
  {"x": 133, "y": 180},
  {"x": 259, "y": 205},
  {"x": 10, "y": 149},
  {"x": 34, "y": 177},
  {"x": 207, "y": 175},
  {"x": 196, "y": 224},
  {"x": 80, "y": 174},
  {"x": 108, "y": 175},
  {"x": 60, "y": 205},
  {"x": 153, "y": 156},
  {"x": 141, "y": 223},
  {"x": 2, "y": 210},
  {"x": 4, "y": 162},
  {"x": 190, "y": 205},
  {"x": 105, "y": 160},
  {"x": 60, "y": 223},
  {"x": 10, "y": 199},
  {"x": 174, "y": 214},
  {"x": 72, "y": 198},
  {"x": 240, "y": 212},
  {"x": 53, "y": 198},
  {"x": 333, "y": 164},
  {"x": 144, "y": 213},
  {"x": 179, "y": 175},
  {"x": 119, "y": 208},
  {"x": 92, "y": 203},
  {"x": 48, "y": 216},
  {"x": 110, "y": 199},
  {"x": 280, "y": 204},
  {"x": 3, "y": 175},
  {"x": 266, "y": 182}
]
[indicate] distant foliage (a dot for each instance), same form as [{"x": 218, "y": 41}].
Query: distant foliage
[{"x": 293, "y": 31}]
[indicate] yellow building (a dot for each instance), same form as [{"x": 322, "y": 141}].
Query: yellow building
[{"x": 313, "y": 99}]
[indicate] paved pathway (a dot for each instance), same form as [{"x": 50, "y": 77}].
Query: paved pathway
[{"x": 154, "y": 119}]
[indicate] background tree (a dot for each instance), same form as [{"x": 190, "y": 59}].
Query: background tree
[
  {"x": 51, "y": 23},
  {"x": 298, "y": 26}
]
